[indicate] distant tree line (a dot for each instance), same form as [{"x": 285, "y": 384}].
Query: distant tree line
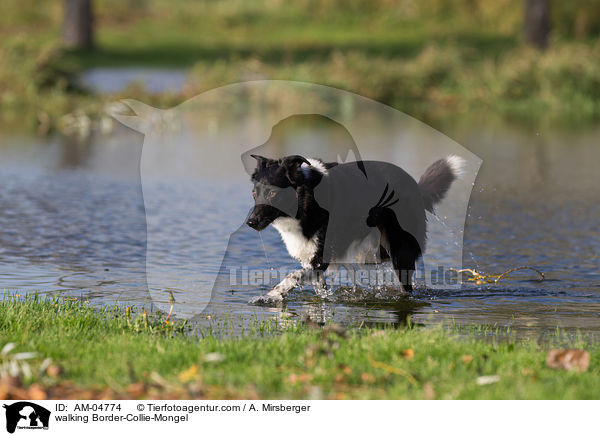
[{"x": 570, "y": 18}]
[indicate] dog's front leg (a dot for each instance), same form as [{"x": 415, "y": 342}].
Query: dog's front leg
[{"x": 276, "y": 294}]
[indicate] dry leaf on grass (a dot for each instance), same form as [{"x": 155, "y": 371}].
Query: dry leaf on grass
[
  {"x": 339, "y": 378},
  {"x": 467, "y": 358},
  {"x": 214, "y": 357},
  {"x": 299, "y": 378},
  {"x": 54, "y": 370},
  {"x": 408, "y": 354},
  {"x": 487, "y": 379},
  {"x": 367, "y": 378},
  {"x": 390, "y": 369},
  {"x": 136, "y": 390},
  {"x": 188, "y": 374},
  {"x": 429, "y": 391},
  {"x": 36, "y": 392},
  {"x": 568, "y": 359}
]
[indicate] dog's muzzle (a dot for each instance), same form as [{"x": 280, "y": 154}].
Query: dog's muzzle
[{"x": 252, "y": 222}]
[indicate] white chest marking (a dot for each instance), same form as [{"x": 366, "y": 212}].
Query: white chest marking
[{"x": 297, "y": 245}]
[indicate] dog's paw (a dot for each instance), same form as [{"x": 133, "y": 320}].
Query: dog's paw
[{"x": 266, "y": 300}]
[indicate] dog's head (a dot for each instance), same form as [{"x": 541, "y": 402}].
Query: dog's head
[{"x": 274, "y": 192}]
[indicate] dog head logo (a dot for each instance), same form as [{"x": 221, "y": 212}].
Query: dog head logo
[
  {"x": 197, "y": 196},
  {"x": 26, "y": 415}
]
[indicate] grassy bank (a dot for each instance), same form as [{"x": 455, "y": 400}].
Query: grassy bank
[
  {"x": 110, "y": 353},
  {"x": 432, "y": 59}
]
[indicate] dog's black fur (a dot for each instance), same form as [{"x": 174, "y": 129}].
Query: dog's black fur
[
  {"x": 402, "y": 247},
  {"x": 285, "y": 188},
  {"x": 278, "y": 186}
]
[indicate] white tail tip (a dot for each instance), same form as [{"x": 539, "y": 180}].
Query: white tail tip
[{"x": 457, "y": 165}]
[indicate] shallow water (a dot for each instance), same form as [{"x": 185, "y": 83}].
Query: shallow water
[{"x": 73, "y": 223}]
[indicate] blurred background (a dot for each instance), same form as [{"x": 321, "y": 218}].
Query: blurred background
[
  {"x": 526, "y": 60},
  {"x": 517, "y": 82}
]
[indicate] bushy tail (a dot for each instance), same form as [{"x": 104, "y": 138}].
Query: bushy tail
[{"x": 436, "y": 180}]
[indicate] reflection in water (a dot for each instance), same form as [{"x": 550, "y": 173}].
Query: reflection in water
[{"x": 73, "y": 222}]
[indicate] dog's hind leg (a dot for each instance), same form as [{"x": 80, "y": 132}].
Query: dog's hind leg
[
  {"x": 276, "y": 294},
  {"x": 404, "y": 258}
]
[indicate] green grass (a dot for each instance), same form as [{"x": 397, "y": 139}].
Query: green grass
[{"x": 104, "y": 348}]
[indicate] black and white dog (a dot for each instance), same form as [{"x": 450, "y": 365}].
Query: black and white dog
[{"x": 352, "y": 213}]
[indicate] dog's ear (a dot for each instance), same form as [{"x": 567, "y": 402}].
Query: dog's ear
[
  {"x": 292, "y": 166},
  {"x": 260, "y": 161}
]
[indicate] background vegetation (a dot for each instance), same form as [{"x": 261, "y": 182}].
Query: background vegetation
[{"x": 430, "y": 58}]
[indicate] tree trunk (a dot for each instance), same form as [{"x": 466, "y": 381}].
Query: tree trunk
[
  {"x": 78, "y": 24},
  {"x": 537, "y": 23}
]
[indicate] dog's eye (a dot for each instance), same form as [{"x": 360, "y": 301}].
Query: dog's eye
[{"x": 272, "y": 194}]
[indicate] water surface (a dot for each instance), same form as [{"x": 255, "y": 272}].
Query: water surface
[{"x": 73, "y": 224}]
